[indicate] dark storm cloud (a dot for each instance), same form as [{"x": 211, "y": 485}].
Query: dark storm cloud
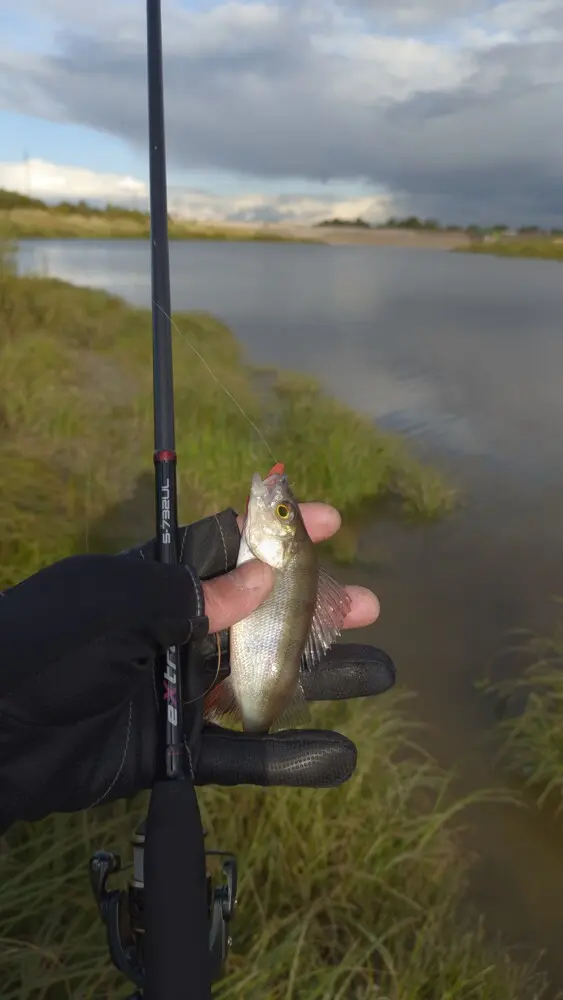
[{"x": 250, "y": 90}]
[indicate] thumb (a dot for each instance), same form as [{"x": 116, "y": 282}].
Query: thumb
[{"x": 235, "y": 595}]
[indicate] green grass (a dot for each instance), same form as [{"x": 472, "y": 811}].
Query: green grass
[
  {"x": 348, "y": 893},
  {"x": 49, "y": 223},
  {"x": 76, "y": 425},
  {"x": 532, "y": 746},
  {"x": 351, "y": 894},
  {"x": 541, "y": 247}
]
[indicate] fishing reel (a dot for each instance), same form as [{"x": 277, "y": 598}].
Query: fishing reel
[{"x": 122, "y": 910}]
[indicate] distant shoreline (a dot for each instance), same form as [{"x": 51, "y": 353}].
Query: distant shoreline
[
  {"x": 358, "y": 236},
  {"x": 25, "y": 223},
  {"x": 37, "y": 223},
  {"x": 41, "y": 224}
]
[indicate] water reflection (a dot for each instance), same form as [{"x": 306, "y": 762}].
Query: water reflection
[{"x": 464, "y": 354}]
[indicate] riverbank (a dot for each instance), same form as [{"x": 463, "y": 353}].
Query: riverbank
[
  {"x": 541, "y": 247},
  {"x": 22, "y": 217},
  {"x": 349, "y": 892},
  {"x": 355, "y": 236},
  {"x": 43, "y": 223},
  {"x": 21, "y": 224},
  {"x": 76, "y": 381},
  {"x": 37, "y": 223}
]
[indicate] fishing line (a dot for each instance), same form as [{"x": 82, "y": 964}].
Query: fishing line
[
  {"x": 213, "y": 682},
  {"x": 258, "y": 432},
  {"x": 218, "y": 381}
]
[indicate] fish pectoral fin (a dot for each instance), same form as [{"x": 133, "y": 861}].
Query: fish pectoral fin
[
  {"x": 221, "y": 703},
  {"x": 333, "y": 604},
  {"x": 296, "y": 714}
]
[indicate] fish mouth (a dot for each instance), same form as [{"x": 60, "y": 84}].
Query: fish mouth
[
  {"x": 257, "y": 486},
  {"x": 262, "y": 489}
]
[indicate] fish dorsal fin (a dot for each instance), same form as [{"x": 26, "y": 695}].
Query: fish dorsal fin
[{"x": 333, "y": 604}]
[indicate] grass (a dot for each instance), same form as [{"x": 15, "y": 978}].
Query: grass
[
  {"x": 532, "y": 728},
  {"x": 348, "y": 893},
  {"x": 48, "y": 223},
  {"x": 351, "y": 894},
  {"x": 540, "y": 247},
  {"x": 76, "y": 426},
  {"x": 357, "y": 464}
]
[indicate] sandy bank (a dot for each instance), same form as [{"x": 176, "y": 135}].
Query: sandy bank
[{"x": 352, "y": 236}]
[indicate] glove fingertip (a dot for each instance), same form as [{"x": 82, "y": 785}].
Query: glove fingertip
[{"x": 304, "y": 758}]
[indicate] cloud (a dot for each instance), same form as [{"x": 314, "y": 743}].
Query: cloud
[
  {"x": 451, "y": 107},
  {"x": 53, "y": 182},
  {"x": 416, "y": 14}
]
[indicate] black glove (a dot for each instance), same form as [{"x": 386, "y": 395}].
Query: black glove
[
  {"x": 297, "y": 758},
  {"x": 78, "y": 702}
]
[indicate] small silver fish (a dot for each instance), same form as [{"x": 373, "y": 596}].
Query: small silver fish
[{"x": 294, "y": 626}]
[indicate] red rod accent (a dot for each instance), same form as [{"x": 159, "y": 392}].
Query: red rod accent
[{"x": 164, "y": 456}]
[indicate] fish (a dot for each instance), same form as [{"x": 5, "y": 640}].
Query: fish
[{"x": 292, "y": 629}]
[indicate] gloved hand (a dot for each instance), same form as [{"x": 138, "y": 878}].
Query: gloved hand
[
  {"x": 79, "y": 710},
  {"x": 297, "y": 758}
]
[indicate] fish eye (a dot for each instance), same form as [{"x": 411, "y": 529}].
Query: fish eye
[{"x": 283, "y": 511}]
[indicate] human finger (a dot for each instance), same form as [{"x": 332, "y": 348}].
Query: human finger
[
  {"x": 322, "y": 521},
  {"x": 364, "y": 607},
  {"x": 233, "y": 596}
]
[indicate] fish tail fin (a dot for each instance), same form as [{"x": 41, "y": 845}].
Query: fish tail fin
[{"x": 221, "y": 702}]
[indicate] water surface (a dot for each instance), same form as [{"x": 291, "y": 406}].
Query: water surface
[{"x": 464, "y": 355}]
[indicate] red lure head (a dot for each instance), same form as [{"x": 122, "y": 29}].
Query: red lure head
[{"x": 278, "y": 470}]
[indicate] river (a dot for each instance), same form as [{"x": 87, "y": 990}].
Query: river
[{"x": 464, "y": 355}]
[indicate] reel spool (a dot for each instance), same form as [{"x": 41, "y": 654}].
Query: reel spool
[{"x": 122, "y": 910}]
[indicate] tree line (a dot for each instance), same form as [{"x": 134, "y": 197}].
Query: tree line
[{"x": 434, "y": 226}]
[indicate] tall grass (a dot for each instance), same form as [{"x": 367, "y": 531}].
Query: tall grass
[
  {"x": 532, "y": 728},
  {"x": 351, "y": 893},
  {"x": 344, "y": 893}
]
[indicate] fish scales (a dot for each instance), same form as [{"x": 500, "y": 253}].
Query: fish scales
[
  {"x": 292, "y": 628},
  {"x": 267, "y": 646}
]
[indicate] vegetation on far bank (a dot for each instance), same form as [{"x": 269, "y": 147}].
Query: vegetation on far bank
[
  {"x": 24, "y": 217},
  {"x": 350, "y": 223},
  {"x": 532, "y": 717},
  {"x": 348, "y": 893},
  {"x": 542, "y": 246},
  {"x": 478, "y": 233},
  {"x": 31, "y": 218}
]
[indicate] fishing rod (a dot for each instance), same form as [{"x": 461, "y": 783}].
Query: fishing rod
[{"x": 168, "y": 932}]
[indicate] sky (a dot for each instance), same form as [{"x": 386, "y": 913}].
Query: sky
[{"x": 293, "y": 109}]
